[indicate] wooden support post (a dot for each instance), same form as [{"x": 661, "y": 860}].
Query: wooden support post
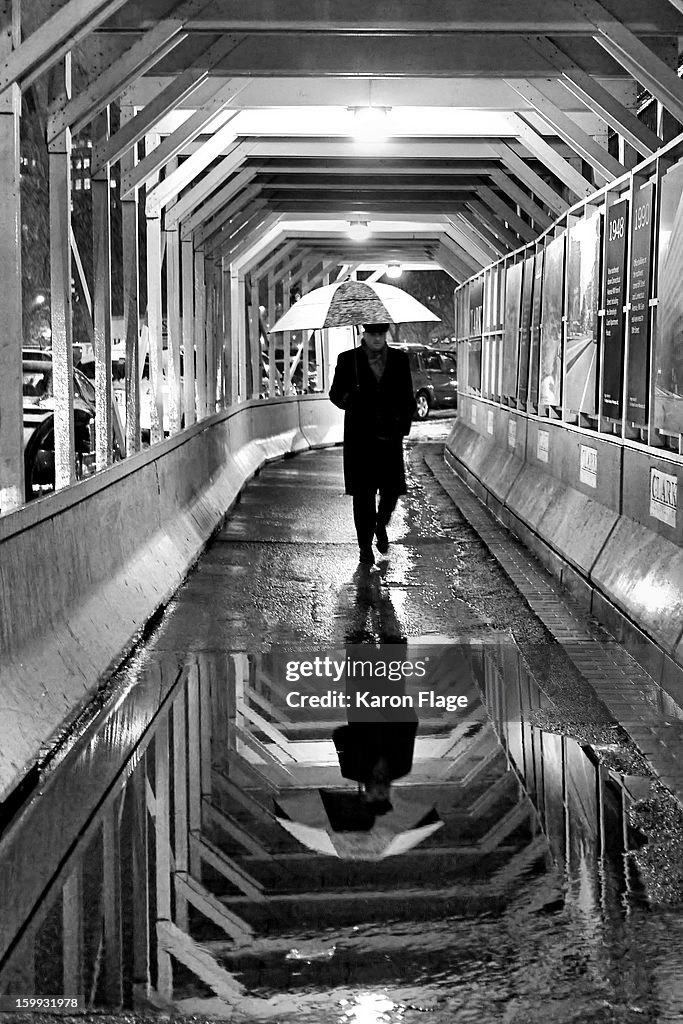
[
  {"x": 189, "y": 359},
  {"x": 236, "y": 305},
  {"x": 205, "y": 724},
  {"x": 254, "y": 340},
  {"x": 226, "y": 345},
  {"x": 131, "y": 298},
  {"x": 286, "y": 337},
  {"x": 111, "y": 896},
  {"x": 180, "y": 820},
  {"x": 163, "y": 850},
  {"x": 154, "y": 325},
  {"x": 272, "y": 369},
  {"x": 200, "y": 331},
  {"x": 60, "y": 308},
  {"x": 173, "y": 325},
  {"x": 209, "y": 285},
  {"x": 101, "y": 226},
  {"x": 11, "y": 337}
]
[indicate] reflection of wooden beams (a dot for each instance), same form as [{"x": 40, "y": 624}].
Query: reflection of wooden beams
[
  {"x": 193, "y": 956},
  {"x": 162, "y": 849},
  {"x": 506, "y": 826},
  {"x": 101, "y": 233},
  {"x": 180, "y": 820},
  {"x": 72, "y": 931},
  {"x": 213, "y": 909},
  {"x": 232, "y": 791},
  {"x": 111, "y": 902},
  {"x": 216, "y": 818},
  {"x": 268, "y": 729},
  {"x": 227, "y": 867}
]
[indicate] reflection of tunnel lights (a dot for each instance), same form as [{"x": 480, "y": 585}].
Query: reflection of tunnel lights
[
  {"x": 359, "y": 230},
  {"x": 369, "y": 1008},
  {"x": 394, "y": 269}
]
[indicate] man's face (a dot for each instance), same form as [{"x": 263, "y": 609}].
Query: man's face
[{"x": 375, "y": 340}]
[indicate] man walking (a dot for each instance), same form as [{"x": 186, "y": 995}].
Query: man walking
[{"x": 374, "y": 387}]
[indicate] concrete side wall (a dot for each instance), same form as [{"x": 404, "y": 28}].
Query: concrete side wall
[
  {"x": 83, "y": 570},
  {"x": 582, "y": 504}
]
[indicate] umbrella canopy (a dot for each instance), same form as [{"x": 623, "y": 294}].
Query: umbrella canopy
[
  {"x": 328, "y": 823},
  {"x": 348, "y": 303}
]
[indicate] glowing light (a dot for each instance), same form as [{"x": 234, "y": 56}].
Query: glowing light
[
  {"x": 370, "y": 124},
  {"x": 369, "y": 1008},
  {"x": 394, "y": 269},
  {"x": 359, "y": 230}
]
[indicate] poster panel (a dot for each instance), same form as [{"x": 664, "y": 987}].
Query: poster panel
[
  {"x": 513, "y": 299},
  {"x": 535, "y": 341},
  {"x": 525, "y": 329},
  {"x": 639, "y": 320},
  {"x": 583, "y": 299},
  {"x": 668, "y": 413},
  {"x": 476, "y": 307},
  {"x": 615, "y": 299},
  {"x": 550, "y": 384},
  {"x": 474, "y": 365}
]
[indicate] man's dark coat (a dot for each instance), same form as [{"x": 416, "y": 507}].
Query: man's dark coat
[{"x": 378, "y": 415}]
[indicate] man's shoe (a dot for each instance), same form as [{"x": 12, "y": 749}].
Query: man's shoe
[
  {"x": 366, "y": 556},
  {"x": 382, "y": 539}
]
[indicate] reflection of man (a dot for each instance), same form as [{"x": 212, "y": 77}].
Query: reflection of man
[
  {"x": 374, "y": 387},
  {"x": 374, "y": 755}
]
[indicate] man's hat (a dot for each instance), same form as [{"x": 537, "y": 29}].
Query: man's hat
[{"x": 375, "y": 328}]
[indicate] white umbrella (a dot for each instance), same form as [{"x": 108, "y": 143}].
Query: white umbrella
[
  {"x": 409, "y": 822},
  {"x": 348, "y": 303}
]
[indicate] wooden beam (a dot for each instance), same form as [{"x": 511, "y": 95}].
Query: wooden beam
[
  {"x": 227, "y": 868},
  {"x": 101, "y": 228},
  {"x": 61, "y": 309},
  {"x": 540, "y": 188},
  {"x": 173, "y": 144},
  {"x": 524, "y": 201},
  {"x": 584, "y": 86},
  {"x": 582, "y": 143},
  {"x": 224, "y": 139},
  {"x": 58, "y": 34},
  {"x": 544, "y": 152},
  {"x": 507, "y": 214},
  {"x": 92, "y": 99},
  {"x": 213, "y": 909},
  {"x": 180, "y": 945},
  {"x": 170, "y": 98},
  {"x": 638, "y": 59}
]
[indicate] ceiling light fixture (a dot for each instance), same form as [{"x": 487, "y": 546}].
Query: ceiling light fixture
[
  {"x": 359, "y": 230},
  {"x": 370, "y": 124},
  {"x": 394, "y": 269}
]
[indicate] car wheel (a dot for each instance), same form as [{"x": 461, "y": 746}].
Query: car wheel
[{"x": 422, "y": 403}]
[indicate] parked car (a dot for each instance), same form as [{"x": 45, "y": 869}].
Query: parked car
[
  {"x": 39, "y": 428},
  {"x": 435, "y": 378}
]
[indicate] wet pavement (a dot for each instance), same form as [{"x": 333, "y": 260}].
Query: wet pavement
[{"x": 547, "y": 888}]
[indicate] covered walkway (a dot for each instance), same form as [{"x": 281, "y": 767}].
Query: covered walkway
[{"x": 173, "y": 529}]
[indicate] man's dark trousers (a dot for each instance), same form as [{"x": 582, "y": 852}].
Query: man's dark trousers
[{"x": 366, "y": 516}]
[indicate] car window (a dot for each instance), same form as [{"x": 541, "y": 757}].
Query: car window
[
  {"x": 449, "y": 364},
  {"x": 412, "y": 359},
  {"x": 36, "y": 383},
  {"x": 432, "y": 361},
  {"x": 85, "y": 386}
]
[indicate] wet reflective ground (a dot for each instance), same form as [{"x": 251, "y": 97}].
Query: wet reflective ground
[{"x": 153, "y": 870}]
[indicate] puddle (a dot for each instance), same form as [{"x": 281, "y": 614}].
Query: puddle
[{"x": 200, "y": 851}]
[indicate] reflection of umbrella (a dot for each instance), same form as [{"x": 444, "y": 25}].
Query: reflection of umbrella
[
  {"x": 340, "y": 824},
  {"x": 347, "y": 303}
]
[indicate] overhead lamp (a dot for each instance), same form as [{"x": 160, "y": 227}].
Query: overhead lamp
[
  {"x": 359, "y": 230},
  {"x": 370, "y": 124},
  {"x": 394, "y": 269}
]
